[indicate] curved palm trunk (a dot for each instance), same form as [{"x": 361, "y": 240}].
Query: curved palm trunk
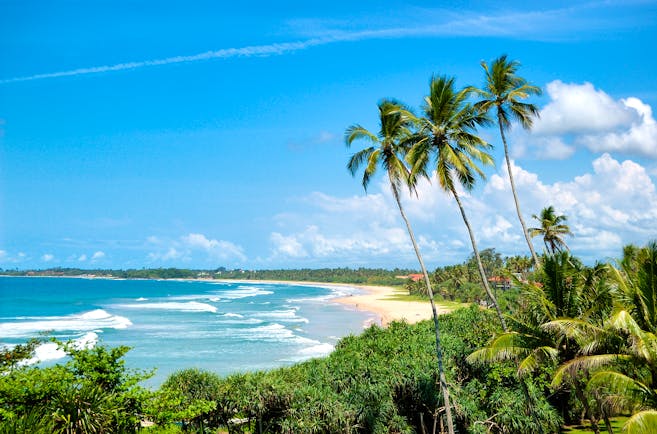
[
  {"x": 515, "y": 195},
  {"x": 482, "y": 273},
  {"x": 439, "y": 353}
]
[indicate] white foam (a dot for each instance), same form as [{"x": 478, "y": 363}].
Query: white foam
[
  {"x": 271, "y": 333},
  {"x": 243, "y": 321},
  {"x": 336, "y": 292},
  {"x": 190, "y": 306},
  {"x": 142, "y": 299},
  {"x": 288, "y": 315},
  {"x": 243, "y": 292},
  {"x": 97, "y": 319},
  {"x": 51, "y": 351},
  {"x": 319, "y": 350},
  {"x": 233, "y": 315}
]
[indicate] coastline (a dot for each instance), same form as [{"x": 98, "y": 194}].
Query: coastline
[
  {"x": 378, "y": 300},
  {"x": 375, "y": 299}
]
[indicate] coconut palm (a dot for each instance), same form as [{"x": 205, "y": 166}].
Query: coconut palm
[
  {"x": 618, "y": 358},
  {"x": 447, "y": 131},
  {"x": 388, "y": 150},
  {"x": 502, "y": 92},
  {"x": 552, "y": 228}
]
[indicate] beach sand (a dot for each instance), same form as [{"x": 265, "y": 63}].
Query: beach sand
[{"x": 376, "y": 299}]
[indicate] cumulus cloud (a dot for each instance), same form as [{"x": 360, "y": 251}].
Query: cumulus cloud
[
  {"x": 581, "y": 115},
  {"x": 287, "y": 246},
  {"x": 97, "y": 255},
  {"x": 82, "y": 258},
  {"x": 611, "y": 204},
  {"x": 194, "y": 246},
  {"x": 48, "y": 257},
  {"x": 614, "y": 204}
]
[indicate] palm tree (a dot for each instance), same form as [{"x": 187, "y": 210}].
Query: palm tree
[
  {"x": 618, "y": 357},
  {"x": 448, "y": 132},
  {"x": 503, "y": 91},
  {"x": 552, "y": 228},
  {"x": 388, "y": 149}
]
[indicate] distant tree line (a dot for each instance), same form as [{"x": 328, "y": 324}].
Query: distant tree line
[
  {"x": 462, "y": 282},
  {"x": 370, "y": 276}
]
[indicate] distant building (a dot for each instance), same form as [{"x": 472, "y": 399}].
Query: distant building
[
  {"x": 413, "y": 277},
  {"x": 500, "y": 282}
]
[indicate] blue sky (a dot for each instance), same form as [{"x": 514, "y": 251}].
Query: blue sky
[{"x": 143, "y": 134}]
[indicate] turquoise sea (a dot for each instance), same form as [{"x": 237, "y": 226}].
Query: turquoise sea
[{"x": 171, "y": 325}]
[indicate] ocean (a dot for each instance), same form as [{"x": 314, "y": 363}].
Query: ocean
[{"x": 172, "y": 325}]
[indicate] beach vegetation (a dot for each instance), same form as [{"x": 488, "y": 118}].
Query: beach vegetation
[{"x": 92, "y": 392}]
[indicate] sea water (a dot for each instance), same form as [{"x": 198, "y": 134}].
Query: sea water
[{"x": 171, "y": 325}]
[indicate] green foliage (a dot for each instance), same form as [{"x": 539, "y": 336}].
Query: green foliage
[
  {"x": 92, "y": 392},
  {"x": 10, "y": 358},
  {"x": 365, "y": 276},
  {"x": 382, "y": 381}
]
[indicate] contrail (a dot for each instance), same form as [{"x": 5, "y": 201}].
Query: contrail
[
  {"x": 471, "y": 25},
  {"x": 250, "y": 51}
]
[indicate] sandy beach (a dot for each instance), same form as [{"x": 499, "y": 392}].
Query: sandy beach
[{"x": 376, "y": 299}]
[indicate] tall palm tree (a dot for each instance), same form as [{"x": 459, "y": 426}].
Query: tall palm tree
[
  {"x": 502, "y": 92},
  {"x": 389, "y": 149},
  {"x": 552, "y": 228},
  {"x": 447, "y": 131}
]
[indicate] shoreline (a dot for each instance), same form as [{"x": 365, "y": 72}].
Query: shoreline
[{"x": 375, "y": 299}]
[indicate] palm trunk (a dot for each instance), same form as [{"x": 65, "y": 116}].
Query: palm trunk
[
  {"x": 439, "y": 353},
  {"x": 480, "y": 266},
  {"x": 515, "y": 195}
]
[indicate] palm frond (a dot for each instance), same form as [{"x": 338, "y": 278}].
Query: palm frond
[
  {"x": 643, "y": 422},
  {"x": 570, "y": 368},
  {"x": 358, "y": 159},
  {"x": 580, "y": 330},
  {"x": 536, "y": 359},
  {"x": 357, "y": 132}
]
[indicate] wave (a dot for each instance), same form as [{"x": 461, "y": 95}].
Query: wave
[
  {"x": 97, "y": 319},
  {"x": 288, "y": 315},
  {"x": 190, "y": 306},
  {"x": 317, "y": 350},
  {"x": 336, "y": 292},
  {"x": 51, "y": 351},
  {"x": 271, "y": 333},
  {"x": 243, "y": 292}
]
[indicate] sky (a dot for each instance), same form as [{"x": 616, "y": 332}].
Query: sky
[{"x": 203, "y": 134}]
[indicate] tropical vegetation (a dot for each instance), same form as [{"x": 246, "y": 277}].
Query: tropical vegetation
[{"x": 564, "y": 343}]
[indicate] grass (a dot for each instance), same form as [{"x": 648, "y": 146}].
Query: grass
[
  {"x": 616, "y": 425},
  {"x": 403, "y": 295}
]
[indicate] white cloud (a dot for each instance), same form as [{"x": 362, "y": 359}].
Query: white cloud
[
  {"x": 580, "y": 115},
  {"x": 194, "y": 246},
  {"x": 7, "y": 258},
  {"x": 611, "y": 204},
  {"x": 82, "y": 258},
  {"x": 614, "y": 204},
  {"x": 287, "y": 246},
  {"x": 580, "y": 108},
  {"x": 97, "y": 255},
  {"x": 219, "y": 249},
  {"x": 48, "y": 257}
]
